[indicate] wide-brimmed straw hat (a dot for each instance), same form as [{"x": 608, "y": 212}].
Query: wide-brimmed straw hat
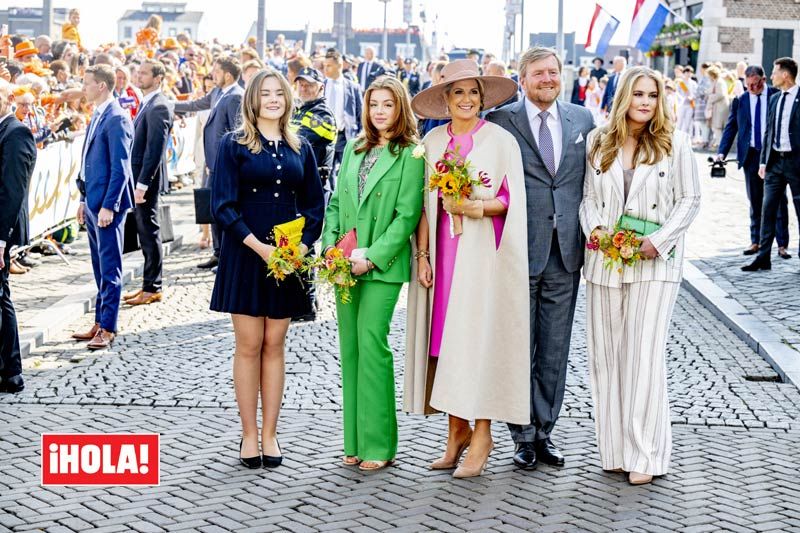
[{"x": 431, "y": 103}]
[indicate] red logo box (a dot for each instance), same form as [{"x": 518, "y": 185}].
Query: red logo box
[{"x": 101, "y": 459}]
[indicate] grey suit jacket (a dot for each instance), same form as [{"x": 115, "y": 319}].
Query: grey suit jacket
[
  {"x": 225, "y": 116},
  {"x": 552, "y": 196}
]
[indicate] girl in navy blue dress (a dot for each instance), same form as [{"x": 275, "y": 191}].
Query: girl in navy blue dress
[{"x": 264, "y": 175}]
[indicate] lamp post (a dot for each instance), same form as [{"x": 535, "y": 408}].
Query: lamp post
[
  {"x": 261, "y": 28},
  {"x": 385, "y": 31}
]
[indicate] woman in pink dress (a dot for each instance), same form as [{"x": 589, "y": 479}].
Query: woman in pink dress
[{"x": 467, "y": 336}]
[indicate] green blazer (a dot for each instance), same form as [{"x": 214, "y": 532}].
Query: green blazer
[{"x": 386, "y": 216}]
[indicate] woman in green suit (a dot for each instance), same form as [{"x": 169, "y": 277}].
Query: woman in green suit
[{"x": 379, "y": 193}]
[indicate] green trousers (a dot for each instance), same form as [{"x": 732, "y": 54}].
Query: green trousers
[{"x": 370, "y": 418}]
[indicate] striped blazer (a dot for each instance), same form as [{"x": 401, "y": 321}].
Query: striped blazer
[{"x": 667, "y": 193}]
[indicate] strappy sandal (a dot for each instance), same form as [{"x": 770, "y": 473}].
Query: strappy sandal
[
  {"x": 351, "y": 460},
  {"x": 371, "y": 466}
]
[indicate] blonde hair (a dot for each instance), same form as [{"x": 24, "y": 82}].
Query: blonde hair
[
  {"x": 154, "y": 21},
  {"x": 655, "y": 140},
  {"x": 537, "y": 53},
  {"x": 247, "y": 133}
]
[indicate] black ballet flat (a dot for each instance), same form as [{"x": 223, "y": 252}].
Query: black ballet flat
[
  {"x": 249, "y": 462},
  {"x": 272, "y": 462}
]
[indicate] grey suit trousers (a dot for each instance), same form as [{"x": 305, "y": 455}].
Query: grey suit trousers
[{"x": 553, "y": 295}]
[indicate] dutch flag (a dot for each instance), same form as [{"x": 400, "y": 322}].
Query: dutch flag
[
  {"x": 648, "y": 19},
  {"x": 601, "y": 29}
]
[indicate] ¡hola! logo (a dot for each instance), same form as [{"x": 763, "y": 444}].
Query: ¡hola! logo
[{"x": 100, "y": 459}]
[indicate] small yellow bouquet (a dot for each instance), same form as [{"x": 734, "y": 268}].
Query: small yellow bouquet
[
  {"x": 333, "y": 269},
  {"x": 452, "y": 175},
  {"x": 285, "y": 260}
]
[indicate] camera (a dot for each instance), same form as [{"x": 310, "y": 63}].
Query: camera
[{"x": 717, "y": 167}]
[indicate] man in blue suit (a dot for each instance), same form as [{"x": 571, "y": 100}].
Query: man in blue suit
[
  {"x": 369, "y": 69},
  {"x": 746, "y": 123},
  {"x": 225, "y": 102},
  {"x": 780, "y": 156},
  {"x": 344, "y": 98},
  {"x": 106, "y": 185},
  {"x": 613, "y": 81}
]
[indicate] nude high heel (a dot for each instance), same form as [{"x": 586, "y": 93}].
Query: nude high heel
[
  {"x": 464, "y": 471},
  {"x": 442, "y": 464}
]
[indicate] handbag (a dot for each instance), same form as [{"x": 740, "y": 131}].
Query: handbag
[
  {"x": 348, "y": 242},
  {"x": 292, "y": 231},
  {"x": 130, "y": 235},
  {"x": 202, "y": 206},
  {"x": 642, "y": 228}
]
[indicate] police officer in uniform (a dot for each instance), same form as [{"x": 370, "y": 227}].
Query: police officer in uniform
[
  {"x": 410, "y": 77},
  {"x": 313, "y": 120}
]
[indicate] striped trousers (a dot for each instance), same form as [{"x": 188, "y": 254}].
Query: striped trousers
[{"x": 626, "y": 339}]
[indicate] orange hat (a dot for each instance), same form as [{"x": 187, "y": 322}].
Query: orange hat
[
  {"x": 170, "y": 43},
  {"x": 25, "y": 48}
]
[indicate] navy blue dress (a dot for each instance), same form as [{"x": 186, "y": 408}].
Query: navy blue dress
[{"x": 251, "y": 193}]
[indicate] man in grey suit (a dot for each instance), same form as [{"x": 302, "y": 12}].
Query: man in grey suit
[
  {"x": 552, "y": 138},
  {"x": 225, "y": 102}
]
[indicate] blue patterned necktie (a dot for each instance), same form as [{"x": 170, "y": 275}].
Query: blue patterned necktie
[{"x": 546, "y": 144}]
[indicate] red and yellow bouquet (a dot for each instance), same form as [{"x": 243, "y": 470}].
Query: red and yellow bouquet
[
  {"x": 620, "y": 247},
  {"x": 452, "y": 175},
  {"x": 285, "y": 260},
  {"x": 334, "y": 269}
]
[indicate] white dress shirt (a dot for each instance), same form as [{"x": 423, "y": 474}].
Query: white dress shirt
[
  {"x": 98, "y": 112},
  {"x": 334, "y": 97},
  {"x": 365, "y": 74},
  {"x": 784, "y": 143},
  {"x": 762, "y": 118},
  {"x": 225, "y": 90},
  {"x": 2, "y": 119},
  {"x": 145, "y": 100},
  {"x": 553, "y": 122}
]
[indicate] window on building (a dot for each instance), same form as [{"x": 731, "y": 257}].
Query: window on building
[
  {"x": 375, "y": 46},
  {"x": 173, "y": 31},
  {"x": 692, "y": 12},
  {"x": 187, "y": 31},
  {"x": 127, "y": 32},
  {"x": 405, "y": 50}
]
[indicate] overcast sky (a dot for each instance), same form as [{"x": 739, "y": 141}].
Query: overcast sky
[{"x": 466, "y": 24}]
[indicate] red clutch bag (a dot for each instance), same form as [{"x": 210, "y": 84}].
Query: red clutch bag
[{"x": 348, "y": 242}]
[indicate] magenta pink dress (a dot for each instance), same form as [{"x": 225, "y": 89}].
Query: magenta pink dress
[{"x": 447, "y": 247}]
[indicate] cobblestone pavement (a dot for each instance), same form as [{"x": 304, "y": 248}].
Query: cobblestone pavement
[
  {"x": 734, "y": 463},
  {"x": 716, "y": 241},
  {"x": 53, "y": 279}
]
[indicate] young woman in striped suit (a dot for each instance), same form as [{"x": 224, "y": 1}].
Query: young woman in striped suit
[{"x": 637, "y": 165}]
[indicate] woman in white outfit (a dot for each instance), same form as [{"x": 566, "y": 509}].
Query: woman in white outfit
[{"x": 637, "y": 165}]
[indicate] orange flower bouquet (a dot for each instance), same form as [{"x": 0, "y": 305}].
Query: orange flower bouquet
[
  {"x": 452, "y": 175},
  {"x": 620, "y": 247},
  {"x": 333, "y": 269},
  {"x": 285, "y": 260},
  {"x": 147, "y": 37}
]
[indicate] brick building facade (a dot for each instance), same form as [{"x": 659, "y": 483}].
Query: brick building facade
[{"x": 755, "y": 31}]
